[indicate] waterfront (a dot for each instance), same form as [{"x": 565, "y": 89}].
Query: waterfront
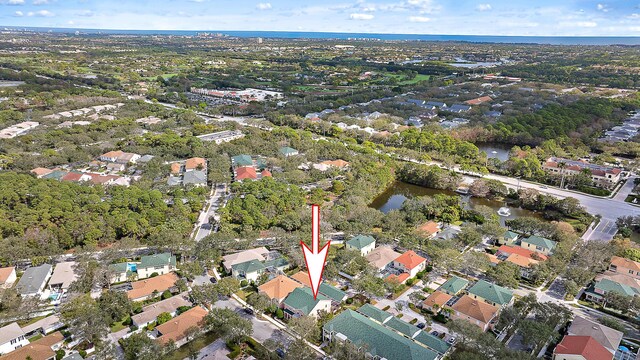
[
  {"x": 501, "y": 150},
  {"x": 398, "y": 192}
]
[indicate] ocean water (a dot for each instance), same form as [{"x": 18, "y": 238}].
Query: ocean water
[{"x": 551, "y": 40}]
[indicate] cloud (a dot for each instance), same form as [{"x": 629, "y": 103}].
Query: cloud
[
  {"x": 41, "y": 13},
  {"x": 18, "y": 14},
  {"x": 15, "y": 2},
  {"x": 602, "y": 7},
  {"x": 86, "y": 13},
  {"x": 263, "y": 6},
  {"x": 40, "y": 2},
  {"x": 419, "y": 19},
  {"x": 361, "y": 16},
  {"x": 585, "y": 24},
  {"x": 634, "y": 16},
  {"x": 483, "y": 7},
  {"x": 425, "y": 6}
]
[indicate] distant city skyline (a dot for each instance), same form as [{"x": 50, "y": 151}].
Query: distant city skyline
[{"x": 446, "y": 17}]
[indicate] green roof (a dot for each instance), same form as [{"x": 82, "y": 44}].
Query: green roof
[
  {"x": 120, "y": 267},
  {"x": 377, "y": 339},
  {"x": 261, "y": 164},
  {"x": 157, "y": 260},
  {"x": 287, "y": 150},
  {"x": 248, "y": 267},
  {"x": 361, "y": 241},
  {"x": 491, "y": 292},
  {"x": 331, "y": 292},
  {"x": 302, "y": 299},
  {"x": 607, "y": 285},
  {"x": 541, "y": 242},
  {"x": 56, "y": 175},
  {"x": 242, "y": 160},
  {"x": 510, "y": 235},
  {"x": 402, "y": 327},
  {"x": 376, "y": 314},
  {"x": 432, "y": 342},
  {"x": 454, "y": 285}
]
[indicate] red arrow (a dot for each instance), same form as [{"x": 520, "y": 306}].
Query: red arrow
[{"x": 314, "y": 258}]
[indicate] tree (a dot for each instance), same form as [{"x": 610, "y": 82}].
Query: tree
[
  {"x": 370, "y": 284},
  {"x": 205, "y": 294},
  {"x": 505, "y": 274},
  {"x": 299, "y": 350},
  {"x": 115, "y": 305},
  {"x": 534, "y": 333},
  {"x": 85, "y": 319},
  {"x": 346, "y": 350},
  {"x": 163, "y": 318},
  {"x": 229, "y": 324},
  {"x": 140, "y": 347},
  {"x": 470, "y": 236},
  {"x": 260, "y": 302},
  {"x": 306, "y": 327},
  {"x": 227, "y": 286}
]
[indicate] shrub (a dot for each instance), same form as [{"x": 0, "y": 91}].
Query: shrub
[
  {"x": 243, "y": 283},
  {"x": 163, "y": 318},
  {"x": 166, "y": 294},
  {"x": 350, "y": 301},
  {"x": 154, "y": 274},
  {"x": 386, "y": 308},
  {"x": 182, "y": 309},
  {"x": 279, "y": 314},
  {"x": 82, "y": 353},
  {"x": 60, "y": 354},
  {"x": 127, "y": 321}
]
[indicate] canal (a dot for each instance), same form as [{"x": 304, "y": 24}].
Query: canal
[{"x": 398, "y": 192}]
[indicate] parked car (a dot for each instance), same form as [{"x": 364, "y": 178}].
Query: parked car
[
  {"x": 421, "y": 325},
  {"x": 248, "y": 311},
  {"x": 451, "y": 341},
  {"x": 280, "y": 353},
  {"x": 434, "y": 333}
]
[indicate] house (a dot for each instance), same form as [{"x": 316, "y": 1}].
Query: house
[
  {"x": 241, "y": 160},
  {"x": 40, "y": 172},
  {"x": 177, "y": 329},
  {"x": 160, "y": 264},
  {"x": 478, "y": 101},
  {"x": 429, "y": 229},
  {"x": 333, "y": 293},
  {"x": 624, "y": 266},
  {"x": 381, "y": 257},
  {"x": 491, "y": 293},
  {"x": 449, "y": 233},
  {"x": 245, "y": 173},
  {"x": 375, "y": 339},
  {"x": 121, "y": 272},
  {"x": 7, "y": 277},
  {"x": 476, "y": 312},
  {"x": 62, "y": 277},
  {"x": 604, "y": 335},
  {"x": 538, "y": 244},
  {"x": 195, "y": 164},
  {"x": 278, "y": 288},
  {"x": 612, "y": 282},
  {"x": 509, "y": 238},
  {"x": 259, "y": 254},
  {"x": 580, "y": 348},
  {"x": 248, "y": 270},
  {"x": 33, "y": 280},
  {"x": 115, "y": 167},
  {"x": 300, "y": 302},
  {"x": 41, "y": 349},
  {"x": 340, "y": 164},
  {"x": 603, "y": 176},
  {"x": 152, "y": 287},
  {"x": 435, "y": 301},
  {"x": 44, "y": 326},
  {"x": 436, "y": 104},
  {"x": 364, "y": 244},
  {"x": 195, "y": 178},
  {"x": 119, "y": 157},
  {"x": 398, "y": 278},
  {"x": 521, "y": 257},
  {"x": 410, "y": 262},
  {"x": 12, "y": 337},
  {"x": 459, "y": 108},
  {"x": 454, "y": 285},
  {"x": 287, "y": 151},
  {"x": 150, "y": 313}
]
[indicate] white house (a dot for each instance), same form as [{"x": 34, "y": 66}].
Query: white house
[
  {"x": 11, "y": 338},
  {"x": 362, "y": 243}
]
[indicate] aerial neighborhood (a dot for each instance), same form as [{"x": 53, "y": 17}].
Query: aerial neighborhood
[{"x": 476, "y": 200}]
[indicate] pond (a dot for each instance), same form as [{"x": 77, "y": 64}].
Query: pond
[
  {"x": 495, "y": 151},
  {"x": 398, "y": 192}
]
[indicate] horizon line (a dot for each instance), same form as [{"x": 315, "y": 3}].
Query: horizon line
[{"x": 317, "y": 32}]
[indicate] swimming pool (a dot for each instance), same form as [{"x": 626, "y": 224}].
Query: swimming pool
[{"x": 133, "y": 267}]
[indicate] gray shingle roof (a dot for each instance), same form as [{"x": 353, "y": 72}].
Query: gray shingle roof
[{"x": 33, "y": 279}]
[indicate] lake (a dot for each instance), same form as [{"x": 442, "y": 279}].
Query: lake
[
  {"x": 495, "y": 151},
  {"x": 398, "y": 192}
]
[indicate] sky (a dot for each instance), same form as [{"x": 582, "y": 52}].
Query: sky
[{"x": 448, "y": 17}]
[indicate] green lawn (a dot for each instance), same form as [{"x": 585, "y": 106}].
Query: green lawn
[{"x": 34, "y": 338}]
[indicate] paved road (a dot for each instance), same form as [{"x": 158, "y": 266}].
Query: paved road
[
  {"x": 217, "y": 350},
  {"x": 217, "y": 200}
]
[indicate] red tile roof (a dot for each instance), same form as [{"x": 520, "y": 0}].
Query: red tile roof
[
  {"x": 266, "y": 173},
  {"x": 410, "y": 259},
  {"x": 522, "y": 252},
  {"x": 246, "y": 172},
  {"x": 72, "y": 176},
  {"x": 399, "y": 278},
  {"x": 193, "y": 163},
  {"x": 586, "y": 346}
]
